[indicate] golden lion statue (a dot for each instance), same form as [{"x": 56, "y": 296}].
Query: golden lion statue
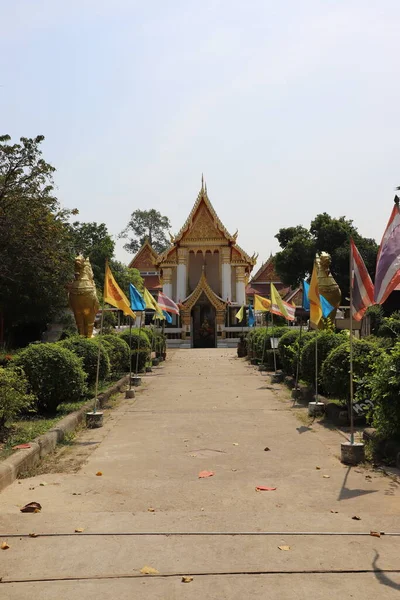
[
  {"x": 327, "y": 286},
  {"x": 82, "y": 297}
]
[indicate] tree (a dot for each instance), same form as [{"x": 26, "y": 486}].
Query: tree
[
  {"x": 93, "y": 241},
  {"x": 146, "y": 224},
  {"x": 300, "y": 245},
  {"x": 124, "y": 276},
  {"x": 36, "y": 259}
]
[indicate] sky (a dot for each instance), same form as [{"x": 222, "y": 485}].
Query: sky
[{"x": 289, "y": 108}]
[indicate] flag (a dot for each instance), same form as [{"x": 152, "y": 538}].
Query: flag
[
  {"x": 327, "y": 308},
  {"x": 152, "y": 304},
  {"x": 361, "y": 284},
  {"x": 387, "y": 274},
  {"x": 315, "y": 301},
  {"x": 261, "y": 303},
  {"x": 252, "y": 318},
  {"x": 167, "y": 305},
  {"x": 114, "y": 295},
  {"x": 279, "y": 307},
  {"x": 240, "y": 314},
  {"x": 137, "y": 300}
]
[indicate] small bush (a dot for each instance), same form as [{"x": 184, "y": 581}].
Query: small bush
[
  {"x": 137, "y": 338},
  {"x": 289, "y": 349},
  {"x": 14, "y": 397},
  {"x": 327, "y": 341},
  {"x": 87, "y": 349},
  {"x": 385, "y": 387},
  {"x": 259, "y": 339},
  {"x": 144, "y": 357},
  {"x": 55, "y": 374},
  {"x": 335, "y": 372},
  {"x": 118, "y": 354}
]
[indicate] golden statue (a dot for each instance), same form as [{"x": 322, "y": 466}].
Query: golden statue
[
  {"x": 328, "y": 287},
  {"x": 82, "y": 297}
]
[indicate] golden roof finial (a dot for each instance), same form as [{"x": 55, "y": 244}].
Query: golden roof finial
[
  {"x": 202, "y": 182},
  {"x": 205, "y": 187}
]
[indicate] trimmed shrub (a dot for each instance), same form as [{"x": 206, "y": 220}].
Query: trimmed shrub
[
  {"x": 118, "y": 353},
  {"x": 327, "y": 341},
  {"x": 14, "y": 397},
  {"x": 385, "y": 387},
  {"x": 143, "y": 338},
  {"x": 258, "y": 339},
  {"x": 335, "y": 372},
  {"x": 144, "y": 358},
  {"x": 88, "y": 350},
  {"x": 55, "y": 374},
  {"x": 288, "y": 348}
]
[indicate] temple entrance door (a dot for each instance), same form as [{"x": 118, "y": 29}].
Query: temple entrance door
[{"x": 203, "y": 324}]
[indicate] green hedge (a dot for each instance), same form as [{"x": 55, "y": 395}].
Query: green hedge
[
  {"x": 118, "y": 353},
  {"x": 326, "y": 341},
  {"x": 142, "y": 338},
  {"x": 55, "y": 374},
  {"x": 385, "y": 388},
  {"x": 258, "y": 339},
  {"x": 14, "y": 397},
  {"x": 335, "y": 373},
  {"x": 87, "y": 349},
  {"x": 289, "y": 348}
]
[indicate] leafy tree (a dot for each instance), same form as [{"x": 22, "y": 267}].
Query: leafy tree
[
  {"x": 93, "y": 241},
  {"x": 148, "y": 224},
  {"x": 299, "y": 246},
  {"x": 36, "y": 259},
  {"x": 124, "y": 276}
]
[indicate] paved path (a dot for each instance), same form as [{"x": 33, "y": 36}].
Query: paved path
[{"x": 203, "y": 410}]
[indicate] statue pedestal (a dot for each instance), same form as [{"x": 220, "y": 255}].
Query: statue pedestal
[{"x": 352, "y": 454}]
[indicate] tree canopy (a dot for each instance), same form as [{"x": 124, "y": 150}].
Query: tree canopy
[
  {"x": 146, "y": 224},
  {"x": 93, "y": 241},
  {"x": 36, "y": 258},
  {"x": 300, "y": 245}
]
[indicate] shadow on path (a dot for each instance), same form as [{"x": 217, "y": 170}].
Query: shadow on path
[{"x": 346, "y": 494}]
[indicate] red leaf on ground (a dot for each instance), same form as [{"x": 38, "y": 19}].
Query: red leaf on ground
[
  {"x": 263, "y": 488},
  {"x": 21, "y": 446},
  {"x": 204, "y": 474}
]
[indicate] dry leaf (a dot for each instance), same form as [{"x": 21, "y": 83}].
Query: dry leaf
[
  {"x": 204, "y": 474},
  {"x": 266, "y": 449},
  {"x": 43, "y": 483},
  {"x": 37, "y": 510},
  {"x": 318, "y": 468},
  {"x": 375, "y": 533},
  {"x": 263, "y": 488},
  {"x": 234, "y": 470},
  {"x": 33, "y": 535},
  {"x": 284, "y": 547},
  {"x": 235, "y": 444},
  {"x": 149, "y": 571},
  {"x": 355, "y": 518},
  {"x": 326, "y": 476},
  {"x": 150, "y": 509},
  {"x": 32, "y": 507},
  {"x": 99, "y": 473},
  {"x": 79, "y": 530},
  {"x": 187, "y": 579},
  {"x": 4, "y": 546},
  {"x": 334, "y": 511}
]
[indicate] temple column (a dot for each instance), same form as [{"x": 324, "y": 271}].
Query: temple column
[
  {"x": 226, "y": 274},
  {"x": 181, "y": 278},
  {"x": 167, "y": 282},
  {"x": 240, "y": 285}
]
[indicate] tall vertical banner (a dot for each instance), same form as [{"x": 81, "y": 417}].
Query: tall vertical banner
[
  {"x": 387, "y": 274},
  {"x": 314, "y": 299},
  {"x": 362, "y": 288}
]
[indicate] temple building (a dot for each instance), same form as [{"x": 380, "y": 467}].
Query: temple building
[
  {"x": 260, "y": 284},
  {"x": 206, "y": 272},
  {"x": 144, "y": 261}
]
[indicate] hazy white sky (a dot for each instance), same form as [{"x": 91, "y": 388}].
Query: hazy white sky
[{"x": 290, "y": 108}]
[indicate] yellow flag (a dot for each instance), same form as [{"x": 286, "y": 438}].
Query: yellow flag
[
  {"x": 277, "y": 305},
  {"x": 261, "y": 303},
  {"x": 151, "y": 303},
  {"x": 240, "y": 314},
  {"x": 114, "y": 295},
  {"x": 315, "y": 301}
]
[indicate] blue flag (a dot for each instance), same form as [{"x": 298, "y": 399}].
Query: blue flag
[
  {"x": 167, "y": 316},
  {"x": 136, "y": 298},
  {"x": 327, "y": 308},
  {"x": 252, "y": 319}
]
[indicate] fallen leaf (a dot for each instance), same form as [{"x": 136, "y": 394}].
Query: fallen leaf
[
  {"x": 263, "y": 488},
  {"x": 32, "y": 507},
  {"x": 234, "y": 470},
  {"x": 266, "y": 449},
  {"x": 375, "y": 533},
  {"x": 187, "y": 579},
  {"x": 318, "y": 468},
  {"x": 21, "y": 447},
  {"x": 235, "y": 444},
  {"x": 185, "y": 440},
  {"x": 355, "y": 518},
  {"x": 43, "y": 483},
  {"x": 148, "y": 571},
  {"x": 33, "y": 535},
  {"x": 4, "y": 546},
  {"x": 99, "y": 473},
  {"x": 334, "y": 511},
  {"x": 284, "y": 547},
  {"x": 150, "y": 509},
  {"x": 193, "y": 455},
  {"x": 79, "y": 530},
  {"x": 204, "y": 474},
  {"x": 202, "y": 509},
  {"x": 326, "y": 476}
]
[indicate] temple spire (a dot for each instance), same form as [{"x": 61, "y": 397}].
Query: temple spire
[{"x": 202, "y": 182}]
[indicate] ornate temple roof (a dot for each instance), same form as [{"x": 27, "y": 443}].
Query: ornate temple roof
[
  {"x": 203, "y": 286},
  {"x": 145, "y": 258}
]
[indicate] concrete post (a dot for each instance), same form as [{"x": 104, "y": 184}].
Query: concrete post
[
  {"x": 226, "y": 274},
  {"x": 240, "y": 285},
  {"x": 181, "y": 282}
]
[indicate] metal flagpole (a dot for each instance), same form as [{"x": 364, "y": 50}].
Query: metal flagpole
[
  {"x": 99, "y": 351},
  {"x": 272, "y": 326},
  {"x": 316, "y": 367},
  {"x": 138, "y": 349},
  {"x": 298, "y": 356},
  {"x": 351, "y": 349},
  {"x": 130, "y": 354}
]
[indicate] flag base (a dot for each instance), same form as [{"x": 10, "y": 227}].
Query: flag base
[
  {"x": 136, "y": 380},
  {"x": 94, "y": 420},
  {"x": 316, "y": 409},
  {"x": 352, "y": 454},
  {"x": 130, "y": 394}
]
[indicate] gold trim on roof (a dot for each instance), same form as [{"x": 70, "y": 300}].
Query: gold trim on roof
[
  {"x": 154, "y": 255},
  {"x": 203, "y": 286}
]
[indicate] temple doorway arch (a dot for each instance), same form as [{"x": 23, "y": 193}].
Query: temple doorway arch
[{"x": 203, "y": 324}]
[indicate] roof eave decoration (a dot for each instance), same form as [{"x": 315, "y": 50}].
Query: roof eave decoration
[
  {"x": 251, "y": 260},
  {"x": 146, "y": 244},
  {"x": 203, "y": 286}
]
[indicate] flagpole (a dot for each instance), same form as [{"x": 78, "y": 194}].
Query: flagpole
[
  {"x": 316, "y": 367},
  {"x": 138, "y": 349},
  {"x": 130, "y": 354},
  {"x": 298, "y": 356},
  {"x": 272, "y": 325},
  {"x": 351, "y": 350},
  {"x": 99, "y": 348}
]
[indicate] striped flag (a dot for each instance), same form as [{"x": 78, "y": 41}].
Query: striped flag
[
  {"x": 167, "y": 304},
  {"x": 315, "y": 300},
  {"x": 261, "y": 303},
  {"x": 387, "y": 274},
  {"x": 361, "y": 284},
  {"x": 279, "y": 307}
]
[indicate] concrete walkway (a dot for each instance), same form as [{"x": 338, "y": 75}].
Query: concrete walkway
[{"x": 203, "y": 410}]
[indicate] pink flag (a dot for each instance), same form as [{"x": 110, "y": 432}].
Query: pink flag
[
  {"x": 387, "y": 274},
  {"x": 362, "y": 286}
]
